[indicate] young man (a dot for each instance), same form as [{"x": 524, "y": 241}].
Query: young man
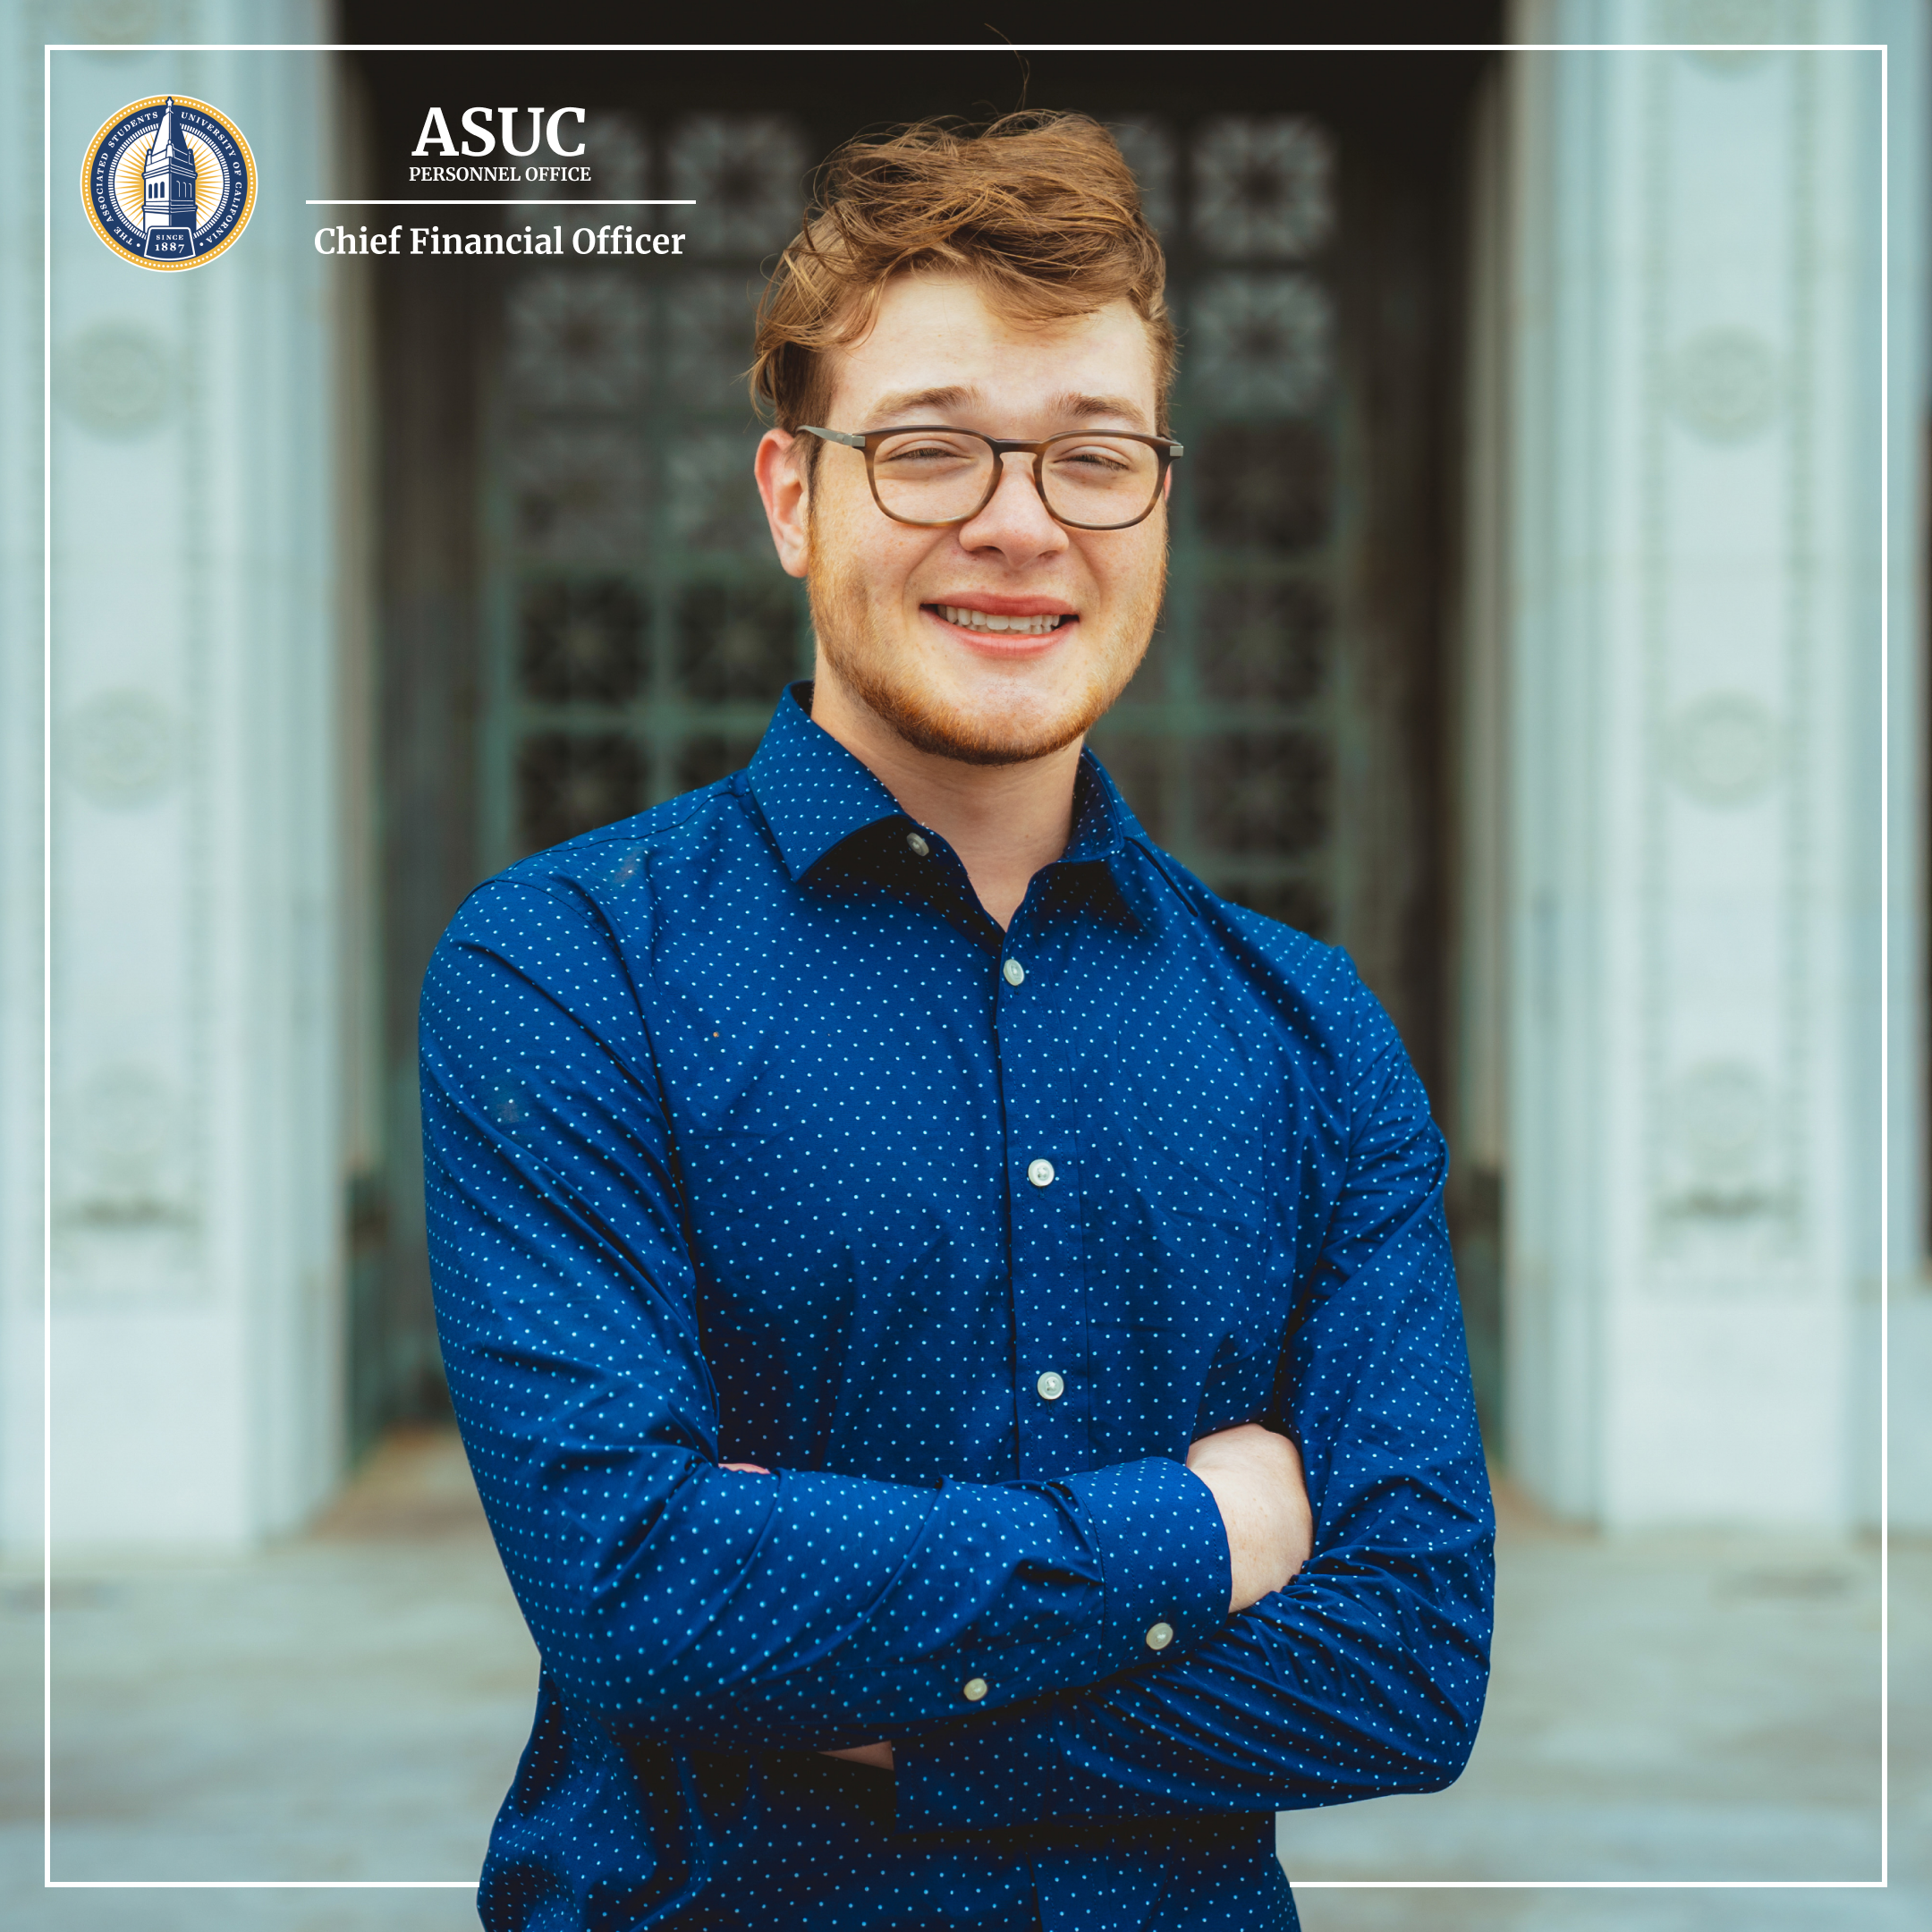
[{"x": 892, "y": 1224}]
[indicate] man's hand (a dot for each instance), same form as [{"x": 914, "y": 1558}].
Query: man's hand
[{"x": 1258, "y": 1484}]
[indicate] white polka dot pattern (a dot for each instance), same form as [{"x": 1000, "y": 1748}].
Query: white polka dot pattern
[{"x": 744, "y": 1143}]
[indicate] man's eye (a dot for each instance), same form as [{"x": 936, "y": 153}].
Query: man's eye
[
  {"x": 1095, "y": 457},
  {"x": 901, "y": 455}
]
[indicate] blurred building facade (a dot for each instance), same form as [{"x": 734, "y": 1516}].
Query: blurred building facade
[{"x": 1544, "y": 506}]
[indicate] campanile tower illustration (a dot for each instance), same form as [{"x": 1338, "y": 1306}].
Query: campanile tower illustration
[{"x": 169, "y": 190}]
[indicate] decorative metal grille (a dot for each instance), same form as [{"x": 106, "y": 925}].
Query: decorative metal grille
[
  {"x": 1263, "y": 186},
  {"x": 576, "y": 340},
  {"x": 1260, "y": 342},
  {"x": 640, "y": 628},
  {"x": 1230, "y": 742}
]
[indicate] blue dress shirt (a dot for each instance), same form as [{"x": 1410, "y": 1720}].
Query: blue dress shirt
[{"x": 749, "y": 1137}]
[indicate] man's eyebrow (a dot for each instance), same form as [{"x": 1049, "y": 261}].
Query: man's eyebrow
[
  {"x": 1100, "y": 405},
  {"x": 1074, "y": 406},
  {"x": 949, "y": 397}
]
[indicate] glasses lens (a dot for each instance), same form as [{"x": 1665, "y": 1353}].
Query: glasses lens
[
  {"x": 1100, "y": 481},
  {"x": 931, "y": 476}
]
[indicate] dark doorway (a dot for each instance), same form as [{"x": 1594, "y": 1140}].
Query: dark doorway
[{"x": 581, "y": 615}]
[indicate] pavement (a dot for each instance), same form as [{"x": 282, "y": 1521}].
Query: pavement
[{"x": 348, "y": 1706}]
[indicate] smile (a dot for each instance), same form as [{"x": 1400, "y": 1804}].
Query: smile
[{"x": 979, "y": 620}]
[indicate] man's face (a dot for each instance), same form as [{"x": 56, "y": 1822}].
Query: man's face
[{"x": 901, "y": 612}]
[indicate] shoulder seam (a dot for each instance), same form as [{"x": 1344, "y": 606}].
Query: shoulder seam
[
  {"x": 610, "y": 833},
  {"x": 563, "y": 890},
  {"x": 1166, "y": 866}
]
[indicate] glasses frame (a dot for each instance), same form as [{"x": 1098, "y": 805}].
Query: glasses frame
[{"x": 867, "y": 441}]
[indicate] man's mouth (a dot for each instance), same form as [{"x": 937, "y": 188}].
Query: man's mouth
[{"x": 1039, "y": 625}]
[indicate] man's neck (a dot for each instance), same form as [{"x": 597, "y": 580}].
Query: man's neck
[{"x": 1004, "y": 821}]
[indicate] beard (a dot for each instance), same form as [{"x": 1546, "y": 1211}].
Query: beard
[{"x": 1012, "y": 729}]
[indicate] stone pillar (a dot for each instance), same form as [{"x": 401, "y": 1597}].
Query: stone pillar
[
  {"x": 1693, "y": 606},
  {"x": 195, "y": 1038},
  {"x": 21, "y": 877},
  {"x": 1907, "y": 1284}
]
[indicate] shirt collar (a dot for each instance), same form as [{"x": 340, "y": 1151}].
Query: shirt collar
[
  {"x": 1102, "y": 822},
  {"x": 815, "y": 794}
]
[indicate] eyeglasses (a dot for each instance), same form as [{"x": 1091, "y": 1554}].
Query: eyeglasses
[{"x": 935, "y": 477}]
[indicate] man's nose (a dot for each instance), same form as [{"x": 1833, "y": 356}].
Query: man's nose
[{"x": 1014, "y": 520}]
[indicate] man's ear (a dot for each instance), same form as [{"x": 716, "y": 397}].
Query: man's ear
[{"x": 780, "y": 468}]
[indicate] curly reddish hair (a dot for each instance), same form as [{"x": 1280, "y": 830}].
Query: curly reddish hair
[{"x": 1040, "y": 210}]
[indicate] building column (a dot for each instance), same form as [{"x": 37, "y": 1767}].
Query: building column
[
  {"x": 196, "y": 1036},
  {"x": 1693, "y": 604}
]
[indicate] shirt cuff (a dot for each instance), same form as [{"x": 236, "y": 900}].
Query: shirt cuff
[
  {"x": 1165, "y": 1566},
  {"x": 1166, "y": 1577}
]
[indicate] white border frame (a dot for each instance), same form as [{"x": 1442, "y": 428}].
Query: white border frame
[{"x": 976, "y": 47}]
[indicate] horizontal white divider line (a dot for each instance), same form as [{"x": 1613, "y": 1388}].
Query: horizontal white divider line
[
  {"x": 507, "y": 201},
  {"x": 964, "y": 46},
  {"x": 260, "y": 1885},
  {"x": 1300, "y": 1884}
]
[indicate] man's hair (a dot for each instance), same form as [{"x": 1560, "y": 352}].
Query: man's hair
[{"x": 1039, "y": 210}]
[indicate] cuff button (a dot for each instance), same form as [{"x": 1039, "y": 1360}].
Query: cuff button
[
  {"x": 1160, "y": 1636},
  {"x": 975, "y": 1688}
]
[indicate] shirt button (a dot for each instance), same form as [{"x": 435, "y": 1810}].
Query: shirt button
[
  {"x": 1040, "y": 1173},
  {"x": 1160, "y": 1636},
  {"x": 920, "y": 849},
  {"x": 1052, "y": 1387},
  {"x": 976, "y": 1688},
  {"x": 1012, "y": 972}
]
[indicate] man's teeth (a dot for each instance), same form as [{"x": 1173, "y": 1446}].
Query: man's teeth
[{"x": 979, "y": 620}]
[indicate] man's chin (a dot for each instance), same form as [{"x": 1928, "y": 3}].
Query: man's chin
[
  {"x": 1000, "y": 734},
  {"x": 973, "y": 741}
]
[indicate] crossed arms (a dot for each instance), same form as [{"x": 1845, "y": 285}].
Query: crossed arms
[
  {"x": 681, "y": 1602},
  {"x": 1255, "y": 1477}
]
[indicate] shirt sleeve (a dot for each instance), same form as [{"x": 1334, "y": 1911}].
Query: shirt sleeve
[
  {"x": 674, "y": 1599},
  {"x": 1367, "y": 1674}
]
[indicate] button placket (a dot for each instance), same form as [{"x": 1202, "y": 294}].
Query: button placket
[{"x": 1048, "y": 1287}]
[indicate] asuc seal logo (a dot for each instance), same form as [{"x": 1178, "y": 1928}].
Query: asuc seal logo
[{"x": 168, "y": 183}]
